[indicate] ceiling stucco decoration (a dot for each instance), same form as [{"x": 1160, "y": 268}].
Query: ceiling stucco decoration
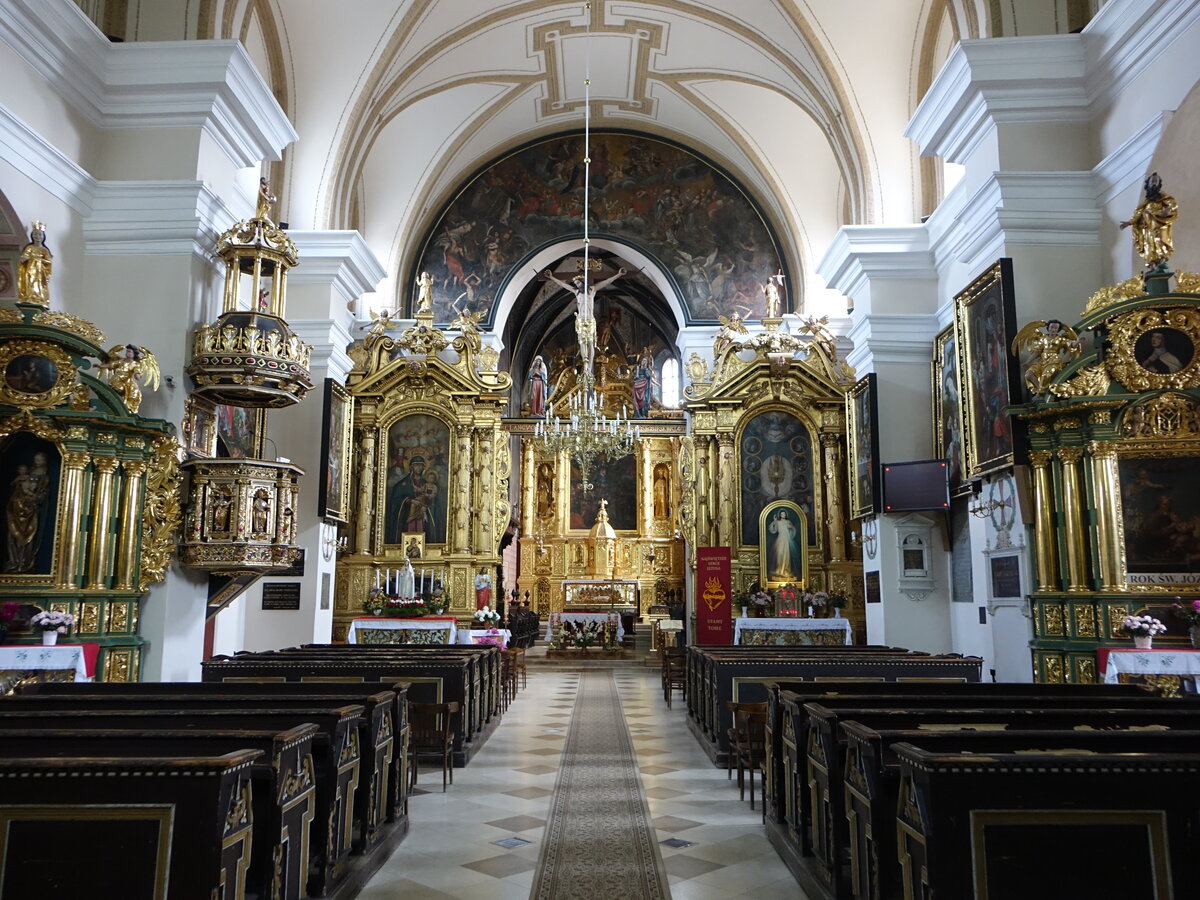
[{"x": 696, "y": 223}]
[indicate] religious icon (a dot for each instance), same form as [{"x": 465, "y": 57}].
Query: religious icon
[
  {"x": 414, "y": 545},
  {"x": 783, "y": 543},
  {"x": 1163, "y": 351},
  {"x": 415, "y": 498}
]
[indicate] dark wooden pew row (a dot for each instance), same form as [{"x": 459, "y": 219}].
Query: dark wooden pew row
[
  {"x": 336, "y": 755},
  {"x": 180, "y": 828},
  {"x": 433, "y": 677},
  {"x": 777, "y": 773},
  {"x": 826, "y": 832},
  {"x": 872, "y": 782},
  {"x": 391, "y": 783},
  {"x": 380, "y": 740},
  {"x": 742, "y": 677},
  {"x": 1036, "y": 825},
  {"x": 283, "y": 787}
]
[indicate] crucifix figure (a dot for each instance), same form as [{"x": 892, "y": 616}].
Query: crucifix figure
[{"x": 585, "y": 318}]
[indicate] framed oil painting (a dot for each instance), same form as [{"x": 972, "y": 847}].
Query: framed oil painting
[
  {"x": 615, "y": 481},
  {"x": 862, "y": 422},
  {"x": 783, "y": 545},
  {"x": 947, "y": 410},
  {"x": 1160, "y": 512},
  {"x": 417, "y": 469},
  {"x": 776, "y": 462},
  {"x": 985, "y": 320},
  {"x": 241, "y": 432},
  {"x": 200, "y": 428},
  {"x": 333, "y": 497}
]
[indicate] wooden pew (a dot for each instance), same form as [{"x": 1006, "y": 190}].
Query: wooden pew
[
  {"x": 148, "y": 827},
  {"x": 391, "y": 783},
  {"x": 336, "y": 754},
  {"x": 1113, "y": 825},
  {"x": 282, "y": 779},
  {"x": 826, "y": 829},
  {"x": 872, "y": 782}
]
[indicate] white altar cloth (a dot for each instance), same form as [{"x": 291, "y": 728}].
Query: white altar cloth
[
  {"x": 468, "y": 635},
  {"x": 1151, "y": 662},
  {"x": 791, "y": 623},
  {"x": 557, "y": 618},
  {"x": 399, "y": 624},
  {"x": 39, "y": 658}
]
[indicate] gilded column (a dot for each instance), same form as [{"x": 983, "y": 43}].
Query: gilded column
[
  {"x": 645, "y": 517},
  {"x": 1043, "y": 523},
  {"x": 130, "y": 528},
  {"x": 835, "y": 509},
  {"x": 487, "y": 502},
  {"x": 102, "y": 506},
  {"x": 74, "y": 484},
  {"x": 528, "y": 486},
  {"x": 462, "y": 490},
  {"x": 1073, "y": 530},
  {"x": 1108, "y": 524},
  {"x": 366, "y": 513},
  {"x": 726, "y": 471},
  {"x": 704, "y": 460}
]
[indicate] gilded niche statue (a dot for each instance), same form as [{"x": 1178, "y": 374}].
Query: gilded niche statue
[
  {"x": 1151, "y": 223},
  {"x": 33, "y": 270}
]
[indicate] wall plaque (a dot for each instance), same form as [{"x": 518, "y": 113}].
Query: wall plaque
[{"x": 285, "y": 595}]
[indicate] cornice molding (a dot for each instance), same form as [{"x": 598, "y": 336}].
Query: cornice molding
[
  {"x": 30, "y": 153},
  {"x": 890, "y": 338},
  {"x": 329, "y": 340},
  {"x": 1124, "y": 39},
  {"x": 155, "y": 218},
  {"x": 998, "y": 81},
  {"x": 859, "y": 254},
  {"x": 341, "y": 259},
  {"x": 211, "y": 85},
  {"x": 1129, "y": 163}
]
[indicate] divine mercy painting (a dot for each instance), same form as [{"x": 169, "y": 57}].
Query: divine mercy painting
[
  {"x": 783, "y": 549},
  {"x": 415, "y": 483}
]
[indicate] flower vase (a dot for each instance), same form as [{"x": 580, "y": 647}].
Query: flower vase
[
  {"x": 744, "y": 616},
  {"x": 49, "y": 638},
  {"x": 1143, "y": 641},
  {"x": 1194, "y": 634}
]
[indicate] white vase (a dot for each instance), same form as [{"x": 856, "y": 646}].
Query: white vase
[
  {"x": 49, "y": 638},
  {"x": 744, "y": 616},
  {"x": 1143, "y": 641}
]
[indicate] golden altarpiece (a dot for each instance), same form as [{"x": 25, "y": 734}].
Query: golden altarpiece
[
  {"x": 1114, "y": 438},
  {"x": 430, "y": 461},
  {"x": 769, "y": 425},
  {"x": 617, "y": 545},
  {"x": 90, "y": 488}
]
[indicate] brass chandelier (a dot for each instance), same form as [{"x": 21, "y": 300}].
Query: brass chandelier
[{"x": 586, "y": 433}]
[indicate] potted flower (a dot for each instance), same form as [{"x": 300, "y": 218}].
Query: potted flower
[
  {"x": 1190, "y": 613},
  {"x": 52, "y": 623},
  {"x": 487, "y": 617},
  {"x": 1143, "y": 629},
  {"x": 815, "y": 601}
]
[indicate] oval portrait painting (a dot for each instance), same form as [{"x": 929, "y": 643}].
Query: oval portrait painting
[
  {"x": 30, "y": 374},
  {"x": 1163, "y": 351}
]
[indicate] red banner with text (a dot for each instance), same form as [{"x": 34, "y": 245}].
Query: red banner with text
[{"x": 714, "y": 596}]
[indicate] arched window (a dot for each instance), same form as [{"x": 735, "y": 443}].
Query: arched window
[{"x": 670, "y": 384}]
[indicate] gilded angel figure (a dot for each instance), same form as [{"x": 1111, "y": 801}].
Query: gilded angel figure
[
  {"x": 1050, "y": 345},
  {"x": 127, "y": 366}
]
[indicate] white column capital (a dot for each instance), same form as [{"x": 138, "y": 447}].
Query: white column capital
[
  {"x": 340, "y": 259},
  {"x": 862, "y": 254}
]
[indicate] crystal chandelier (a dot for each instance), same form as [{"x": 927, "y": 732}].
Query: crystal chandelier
[{"x": 586, "y": 434}]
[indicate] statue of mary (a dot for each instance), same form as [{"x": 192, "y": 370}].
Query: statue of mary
[{"x": 406, "y": 581}]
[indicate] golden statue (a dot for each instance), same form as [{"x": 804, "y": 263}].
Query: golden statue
[
  {"x": 424, "y": 293},
  {"x": 127, "y": 365},
  {"x": 1151, "y": 223},
  {"x": 773, "y": 290},
  {"x": 1046, "y": 343},
  {"x": 33, "y": 271},
  {"x": 263, "y": 209}
]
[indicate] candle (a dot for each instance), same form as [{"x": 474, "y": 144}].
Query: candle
[{"x": 377, "y": 578}]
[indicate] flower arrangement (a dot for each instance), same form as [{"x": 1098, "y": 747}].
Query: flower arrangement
[
  {"x": 1189, "y": 613},
  {"x": 1142, "y": 626},
  {"x": 756, "y": 600},
  {"x": 487, "y": 616},
  {"x": 380, "y": 603},
  {"x": 53, "y": 620},
  {"x": 493, "y": 638}
]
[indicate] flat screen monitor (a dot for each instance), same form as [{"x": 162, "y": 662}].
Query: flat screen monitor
[{"x": 914, "y": 486}]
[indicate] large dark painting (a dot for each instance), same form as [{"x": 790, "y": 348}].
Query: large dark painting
[
  {"x": 614, "y": 481},
  {"x": 985, "y": 320},
  {"x": 777, "y": 464},
  {"x": 1162, "y": 515},
  {"x": 947, "y": 409},
  {"x": 415, "y": 485},
  {"x": 862, "y": 420},
  {"x": 29, "y": 468},
  {"x": 699, "y": 225}
]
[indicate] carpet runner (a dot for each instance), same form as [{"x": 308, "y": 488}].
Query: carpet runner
[{"x": 599, "y": 840}]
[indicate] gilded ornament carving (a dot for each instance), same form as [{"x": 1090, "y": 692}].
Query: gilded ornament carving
[
  {"x": 1114, "y": 294},
  {"x": 1093, "y": 381},
  {"x": 1053, "y": 668},
  {"x": 1187, "y": 282},
  {"x": 1116, "y": 615},
  {"x": 422, "y": 339},
  {"x": 73, "y": 324},
  {"x": 1054, "y": 621},
  {"x": 1165, "y": 416},
  {"x": 1070, "y": 455},
  {"x": 9, "y": 314},
  {"x": 1085, "y": 668},
  {"x": 1085, "y": 621},
  {"x": 89, "y": 618},
  {"x": 118, "y": 665},
  {"x": 162, "y": 512},
  {"x": 1100, "y": 417},
  {"x": 1154, "y": 349},
  {"x": 118, "y": 617},
  {"x": 226, "y": 339},
  {"x": 1040, "y": 458},
  {"x": 36, "y": 374}
]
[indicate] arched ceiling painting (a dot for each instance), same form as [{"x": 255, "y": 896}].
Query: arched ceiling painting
[{"x": 707, "y": 236}]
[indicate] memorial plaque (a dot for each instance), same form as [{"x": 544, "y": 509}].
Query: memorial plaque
[
  {"x": 871, "y": 587},
  {"x": 285, "y": 595},
  {"x": 1006, "y": 576}
]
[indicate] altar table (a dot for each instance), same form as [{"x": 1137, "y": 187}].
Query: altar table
[
  {"x": 792, "y": 631},
  {"x": 1175, "y": 664},
  {"x": 389, "y": 630},
  {"x": 21, "y": 662},
  {"x": 602, "y": 618},
  {"x": 472, "y": 635}
]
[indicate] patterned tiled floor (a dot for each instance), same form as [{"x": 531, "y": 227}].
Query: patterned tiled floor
[{"x": 461, "y": 843}]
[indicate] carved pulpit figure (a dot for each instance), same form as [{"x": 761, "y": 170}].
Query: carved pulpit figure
[{"x": 1151, "y": 223}]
